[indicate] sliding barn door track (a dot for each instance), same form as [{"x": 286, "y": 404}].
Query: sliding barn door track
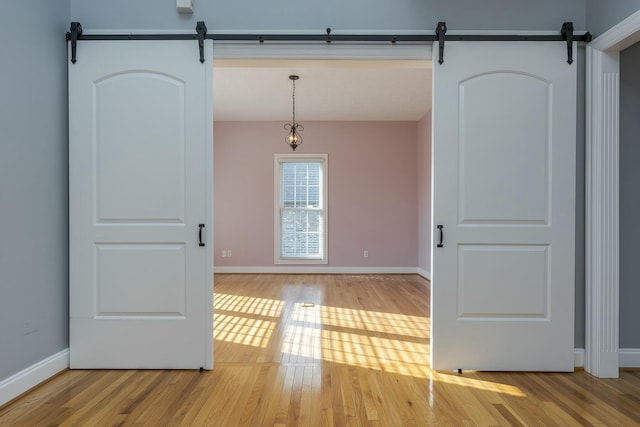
[{"x": 566, "y": 34}]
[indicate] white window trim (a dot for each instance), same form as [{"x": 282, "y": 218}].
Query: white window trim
[{"x": 277, "y": 159}]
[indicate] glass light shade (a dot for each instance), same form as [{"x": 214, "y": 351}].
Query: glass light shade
[{"x": 293, "y": 138}]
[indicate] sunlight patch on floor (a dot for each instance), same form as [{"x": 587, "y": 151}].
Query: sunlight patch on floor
[
  {"x": 388, "y": 342},
  {"x": 463, "y": 381},
  {"x": 245, "y": 320},
  {"x": 372, "y": 321},
  {"x": 248, "y": 305},
  {"x": 243, "y": 330},
  {"x": 384, "y": 341}
]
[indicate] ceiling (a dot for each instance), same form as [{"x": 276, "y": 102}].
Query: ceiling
[{"x": 328, "y": 90}]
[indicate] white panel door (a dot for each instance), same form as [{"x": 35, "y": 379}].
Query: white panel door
[
  {"x": 140, "y": 185},
  {"x": 504, "y": 142}
]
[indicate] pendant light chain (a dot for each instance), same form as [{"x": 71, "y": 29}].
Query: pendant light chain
[{"x": 294, "y": 102}]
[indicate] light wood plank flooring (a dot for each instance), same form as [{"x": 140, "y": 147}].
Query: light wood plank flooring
[{"x": 325, "y": 350}]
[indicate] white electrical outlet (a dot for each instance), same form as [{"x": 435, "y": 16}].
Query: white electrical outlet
[
  {"x": 229, "y": 254},
  {"x": 366, "y": 254},
  {"x": 224, "y": 254}
]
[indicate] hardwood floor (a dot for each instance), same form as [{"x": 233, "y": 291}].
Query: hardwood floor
[{"x": 325, "y": 350}]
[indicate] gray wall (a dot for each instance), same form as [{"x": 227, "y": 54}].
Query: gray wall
[
  {"x": 33, "y": 130},
  {"x": 604, "y": 14},
  {"x": 33, "y": 183},
  {"x": 337, "y": 14},
  {"x": 629, "y": 196}
]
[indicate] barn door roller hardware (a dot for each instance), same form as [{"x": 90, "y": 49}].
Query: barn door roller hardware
[
  {"x": 74, "y": 35},
  {"x": 566, "y": 34},
  {"x": 441, "y": 31},
  {"x": 201, "y": 29}
]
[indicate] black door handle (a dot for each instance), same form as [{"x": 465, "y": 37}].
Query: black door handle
[
  {"x": 200, "y": 226},
  {"x": 441, "y": 244}
]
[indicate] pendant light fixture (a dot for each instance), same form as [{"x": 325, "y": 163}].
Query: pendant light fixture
[{"x": 293, "y": 138}]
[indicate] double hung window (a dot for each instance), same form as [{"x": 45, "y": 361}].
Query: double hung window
[{"x": 301, "y": 220}]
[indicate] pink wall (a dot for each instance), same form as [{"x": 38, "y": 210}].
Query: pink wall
[
  {"x": 424, "y": 194},
  {"x": 373, "y": 191}
]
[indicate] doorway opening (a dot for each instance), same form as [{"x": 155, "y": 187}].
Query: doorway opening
[{"x": 373, "y": 120}]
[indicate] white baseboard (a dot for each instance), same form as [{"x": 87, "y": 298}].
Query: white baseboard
[
  {"x": 315, "y": 270},
  {"x": 424, "y": 273},
  {"x": 578, "y": 357},
  {"x": 30, "y": 377},
  {"x": 629, "y": 357}
]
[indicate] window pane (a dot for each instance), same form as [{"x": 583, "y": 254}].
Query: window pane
[
  {"x": 301, "y": 222},
  {"x": 288, "y": 244},
  {"x": 288, "y": 221},
  {"x": 313, "y": 200},
  {"x": 301, "y": 196},
  {"x": 301, "y": 244},
  {"x": 313, "y": 221},
  {"x": 313, "y": 240}
]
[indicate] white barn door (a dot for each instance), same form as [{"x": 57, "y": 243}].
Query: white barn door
[
  {"x": 504, "y": 142},
  {"x": 140, "y": 186}
]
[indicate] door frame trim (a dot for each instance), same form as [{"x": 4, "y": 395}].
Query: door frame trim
[
  {"x": 602, "y": 171},
  {"x": 209, "y": 362}
]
